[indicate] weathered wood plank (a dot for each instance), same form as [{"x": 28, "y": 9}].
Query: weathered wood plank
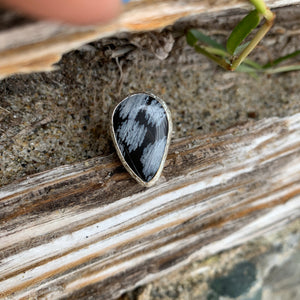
[
  {"x": 89, "y": 229},
  {"x": 37, "y": 46}
]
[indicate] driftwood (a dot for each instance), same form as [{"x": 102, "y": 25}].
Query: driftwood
[
  {"x": 37, "y": 46},
  {"x": 89, "y": 230}
]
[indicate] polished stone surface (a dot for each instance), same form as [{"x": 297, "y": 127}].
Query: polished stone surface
[{"x": 141, "y": 128}]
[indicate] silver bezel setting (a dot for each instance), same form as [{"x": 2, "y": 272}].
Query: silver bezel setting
[{"x": 127, "y": 167}]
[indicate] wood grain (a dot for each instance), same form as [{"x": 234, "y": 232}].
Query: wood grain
[
  {"x": 89, "y": 230},
  {"x": 37, "y": 46}
]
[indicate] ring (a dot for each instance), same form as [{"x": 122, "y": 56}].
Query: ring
[{"x": 141, "y": 128}]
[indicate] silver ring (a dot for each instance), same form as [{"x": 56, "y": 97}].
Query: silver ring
[{"x": 141, "y": 129}]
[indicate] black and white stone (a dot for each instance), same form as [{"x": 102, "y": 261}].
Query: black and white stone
[{"x": 141, "y": 128}]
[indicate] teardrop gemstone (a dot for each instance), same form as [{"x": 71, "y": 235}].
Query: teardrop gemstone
[{"x": 141, "y": 129}]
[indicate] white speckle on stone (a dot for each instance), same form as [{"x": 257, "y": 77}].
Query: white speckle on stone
[
  {"x": 155, "y": 113},
  {"x": 130, "y": 109},
  {"x": 132, "y": 133},
  {"x": 152, "y": 156}
]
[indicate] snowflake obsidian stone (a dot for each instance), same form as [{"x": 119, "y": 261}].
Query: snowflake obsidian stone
[{"x": 141, "y": 129}]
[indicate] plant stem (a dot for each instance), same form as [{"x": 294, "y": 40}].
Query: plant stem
[
  {"x": 283, "y": 69},
  {"x": 220, "y": 61},
  {"x": 252, "y": 63},
  {"x": 257, "y": 38},
  {"x": 259, "y": 5},
  {"x": 216, "y": 51},
  {"x": 270, "y": 16},
  {"x": 262, "y": 8}
]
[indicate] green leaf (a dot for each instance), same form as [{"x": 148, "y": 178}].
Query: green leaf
[
  {"x": 195, "y": 35},
  {"x": 191, "y": 39},
  {"x": 241, "y": 31},
  {"x": 281, "y": 59}
]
